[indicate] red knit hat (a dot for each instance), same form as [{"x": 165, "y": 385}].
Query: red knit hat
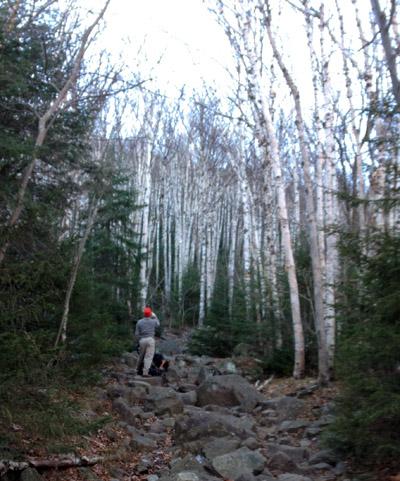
[{"x": 147, "y": 312}]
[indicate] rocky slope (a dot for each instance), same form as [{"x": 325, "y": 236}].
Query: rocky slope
[{"x": 204, "y": 421}]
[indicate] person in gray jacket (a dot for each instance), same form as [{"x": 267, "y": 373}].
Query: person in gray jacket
[{"x": 144, "y": 333}]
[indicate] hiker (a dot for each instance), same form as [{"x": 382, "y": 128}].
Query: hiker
[
  {"x": 158, "y": 367},
  {"x": 144, "y": 333}
]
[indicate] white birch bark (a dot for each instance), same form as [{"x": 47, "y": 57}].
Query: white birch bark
[
  {"x": 319, "y": 294},
  {"x": 390, "y": 54},
  {"x": 62, "y": 331},
  {"x": 145, "y": 220},
  {"x": 359, "y": 186},
  {"x": 233, "y": 224},
  {"x": 247, "y": 46},
  {"x": 330, "y": 200}
]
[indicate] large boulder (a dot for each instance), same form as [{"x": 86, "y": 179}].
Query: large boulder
[
  {"x": 286, "y": 407},
  {"x": 163, "y": 401},
  {"x": 228, "y": 390},
  {"x": 325, "y": 456},
  {"x": 197, "y": 424},
  {"x": 219, "y": 446},
  {"x": 282, "y": 462},
  {"x": 127, "y": 413},
  {"x": 296, "y": 454},
  {"x": 130, "y": 359},
  {"x": 237, "y": 463},
  {"x": 291, "y": 426},
  {"x": 189, "y": 468}
]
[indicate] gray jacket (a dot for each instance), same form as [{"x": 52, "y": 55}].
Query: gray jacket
[{"x": 146, "y": 327}]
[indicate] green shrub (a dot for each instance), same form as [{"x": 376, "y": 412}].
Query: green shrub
[{"x": 368, "y": 419}]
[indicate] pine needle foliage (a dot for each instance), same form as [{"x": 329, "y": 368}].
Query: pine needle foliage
[{"x": 368, "y": 417}]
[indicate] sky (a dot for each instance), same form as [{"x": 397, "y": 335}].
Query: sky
[{"x": 179, "y": 41}]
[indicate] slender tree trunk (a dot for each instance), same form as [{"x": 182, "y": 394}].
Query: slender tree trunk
[
  {"x": 62, "y": 331},
  {"x": 232, "y": 256},
  {"x": 390, "y": 54},
  {"x": 318, "y": 286},
  {"x": 144, "y": 238}
]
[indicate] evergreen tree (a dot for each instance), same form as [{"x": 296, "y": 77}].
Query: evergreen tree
[{"x": 368, "y": 418}]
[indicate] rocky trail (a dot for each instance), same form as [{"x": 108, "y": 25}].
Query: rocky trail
[{"x": 202, "y": 421}]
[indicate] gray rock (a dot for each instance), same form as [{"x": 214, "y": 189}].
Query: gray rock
[
  {"x": 152, "y": 477},
  {"x": 265, "y": 476},
  {"x": 293, "y": 426},
  {"x": 203, "y": 374},
  {"x": 192, "y": 464},
  {"x": 151, "y": 381},
  {"x": 163, "y": 401},
  {"x": 168, "y": 422},
  {"x": 236, "y": 463},
  {"x": 173, "y": 375},
  {"x": 298, "y": 455},
  {"x": 286, "y": 407},
  {"x": 30, "y": 474},
  {"x": 282, "y": 461},
  {"x": 293, "y": 477},
  {"x": 324, "y": 420},
  {"x": 219, "y": 446},
  {"x": 143, "y": 465},
  {"x": 247, "y": 477},
  {"x": 187, "y": 476},
  {"x": 127, "y": 414},
  {"x": 324, "y": 456},
  {"x": 188, "y": 398},
  {"x": 130, "y": 359},
  {"x": 116, "y": 390},
  {"x": 157, "y": 427},
  {"x": 251, "y": 443},
  {"x": 136, "y": 393},
  {"x": 187, "y": 387},
  {"x": 198, "y": 424},
  {"x": 321, "y": 467},
  {"x": 228, "y": 390},
  {"x": 142, "y": 443}
]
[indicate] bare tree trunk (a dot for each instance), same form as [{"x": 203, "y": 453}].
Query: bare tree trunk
[
  {"x": 232, "y": 256},
  {"x": 390, "y": 54},
  {"x": 145, "y": 224},
  {"x": 247, "y": 44},
  {"x": 331, "y": 262},
  {"x": 62, "y": 331},
  {"x": 359, "y": 186},
  {"x": 311, "y": 216},
  {"x": 203, "y": 277}
]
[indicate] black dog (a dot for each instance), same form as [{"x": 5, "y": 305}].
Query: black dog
[{"x": 158, "y": 367}]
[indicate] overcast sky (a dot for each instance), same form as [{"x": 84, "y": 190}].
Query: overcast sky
[
  {"x": 182, "y": 33},
  {"x": 178, "y": 42}
]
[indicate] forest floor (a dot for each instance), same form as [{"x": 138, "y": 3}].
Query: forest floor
[{"x": 105, "y": 438}]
